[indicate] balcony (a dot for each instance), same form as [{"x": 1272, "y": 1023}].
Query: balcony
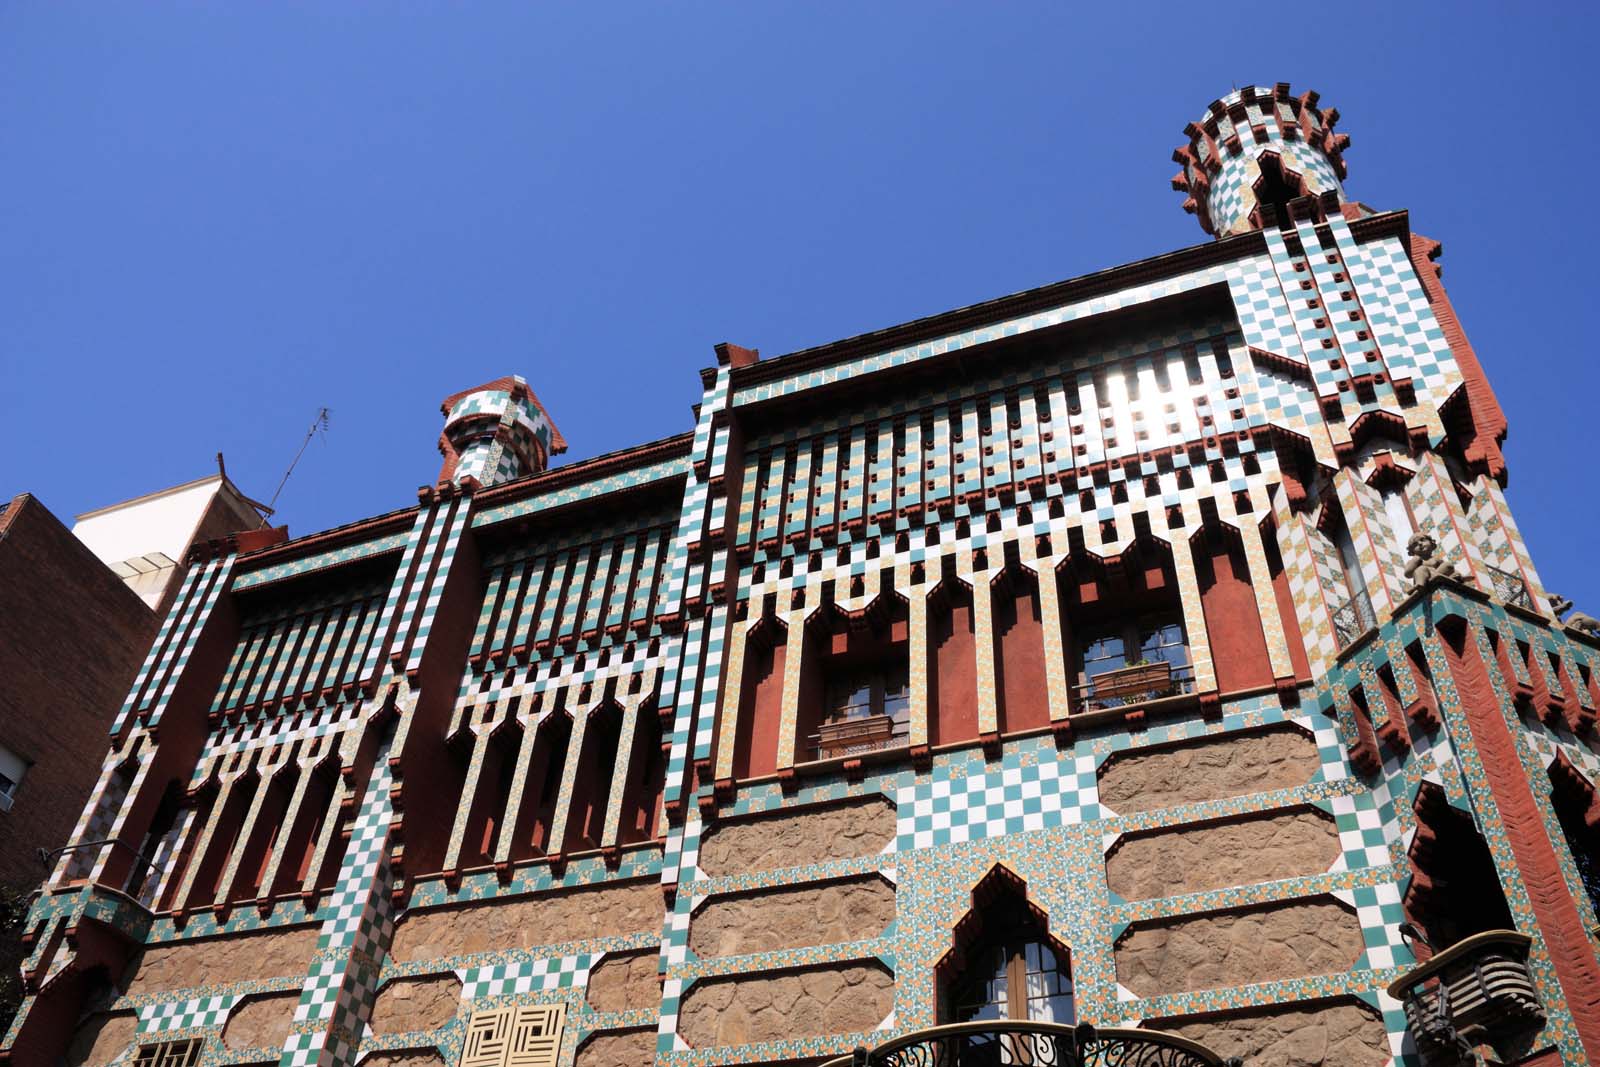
[
  {"x": 988, "y": 1044},
  {"x": 853, "y": 737},
  {"x": 1509, "y": 588},
  {"x": 1352, "y": 619},
  {"x": 1133, "y": 690},
  {"x": 1476, "y": 992}
]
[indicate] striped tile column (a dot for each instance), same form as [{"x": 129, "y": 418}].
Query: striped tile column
[{"x": 357, "y": 929}]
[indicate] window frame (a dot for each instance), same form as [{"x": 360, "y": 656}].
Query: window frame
[
  {"x": 969, "y": 995},
  {"x": 875, "y": 679},
  {"x": 1132, "y": 633},
  {"x": 14, "y": 770}
]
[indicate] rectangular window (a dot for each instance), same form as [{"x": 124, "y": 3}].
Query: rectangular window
[
  {"x": 12, "y": 769},
  {"x": 1163, "y": 641},
  {"x": 1152, "y": 655},
  {"x": 1104, "y": 653},
  {"x": 1401, "y": 522},
  {"x": 866, "y": 707},
  {"x": 868, "y": 691}
]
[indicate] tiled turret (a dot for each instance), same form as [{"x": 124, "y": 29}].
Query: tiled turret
[
  {"x": 496, "y": 432},
  {"x": 1258, "y": 148}
]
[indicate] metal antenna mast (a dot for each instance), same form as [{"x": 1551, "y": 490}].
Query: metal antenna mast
[{"x": 318, "y": 423}]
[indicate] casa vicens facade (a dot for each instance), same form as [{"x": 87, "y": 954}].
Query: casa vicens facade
[{"x": 1152, "y": 649}]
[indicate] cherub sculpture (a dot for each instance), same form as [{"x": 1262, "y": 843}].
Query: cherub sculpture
[{"x": 1423, "y": 566}]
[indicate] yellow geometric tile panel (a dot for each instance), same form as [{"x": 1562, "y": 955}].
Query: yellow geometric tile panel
[{"x": 523, "y": 1036}]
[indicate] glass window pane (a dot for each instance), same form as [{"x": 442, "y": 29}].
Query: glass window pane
[
  {"x": 1164, "y": 641},
  {"x": 1394, "y": 505},
  {"x": 1057, "y": 1009},
  {"x": 850, "y": 696},
  {"x": 897, "y": 696},
  {"x": 1105, "y": 653},
  {"x": 1037, "y": 988}
]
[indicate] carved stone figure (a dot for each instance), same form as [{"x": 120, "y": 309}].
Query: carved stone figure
[
  {"x": 1423, "y": 567},
  {"x": 1585, "y": 624}
]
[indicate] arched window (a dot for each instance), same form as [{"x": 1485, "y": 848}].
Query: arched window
[{"x": 1006, "y": 965}]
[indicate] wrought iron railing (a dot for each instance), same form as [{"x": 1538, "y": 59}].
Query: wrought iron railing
[
  {"x": 988, "y": 1044},
  {"x": 139, "y": 866},
  {"x": 1353, "y": 618},
  {"x": 1509, "y": 588},
  {"x": 1477, "y": 990}
]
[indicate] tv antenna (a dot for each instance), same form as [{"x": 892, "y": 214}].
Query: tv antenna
[{"x": 318, "y": 425}]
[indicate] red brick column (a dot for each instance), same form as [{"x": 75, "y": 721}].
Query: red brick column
[{"x": 1562, "y": 927}]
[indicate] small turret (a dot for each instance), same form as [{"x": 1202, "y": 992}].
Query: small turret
[
  {"x": 496, "y": 432},
  {"x": 1261, "y": 157}
]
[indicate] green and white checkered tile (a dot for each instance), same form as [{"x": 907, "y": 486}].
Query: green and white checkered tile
[
  {"x": 1364, "y": 834},
  {"x": 667, "y": 1039},
  {"x": 1018, "y": 797},
  {"x": 357, "y": 927},
  {"x": 537, "y": 976},
  {"x": 1547, "y": 744},
  {"x": 675, "y": 932},
  {"x": 1380, "y": 913},
  {"x": 184, "y": 1014},
  {"x": 306, "y": 1050},
  {"x": 1330, "y": 749}
]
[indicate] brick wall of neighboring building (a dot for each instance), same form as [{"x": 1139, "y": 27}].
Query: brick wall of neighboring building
[{"x": 71, "y": 637}]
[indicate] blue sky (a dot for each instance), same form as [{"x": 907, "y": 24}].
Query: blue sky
[{"x": 215, "y": 218}]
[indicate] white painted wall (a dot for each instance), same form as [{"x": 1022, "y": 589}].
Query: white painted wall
[{"x": 160, "y": 522}]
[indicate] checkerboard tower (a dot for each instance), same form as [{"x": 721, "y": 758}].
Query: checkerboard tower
[
  {"x": 1260, "y": 156},
  {"x": 496, "y": 432}
]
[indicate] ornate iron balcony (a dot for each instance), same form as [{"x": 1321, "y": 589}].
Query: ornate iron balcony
[
  {"x": 1353, "y": 618},
  {"x": 988, "y": 1044},
  {"x": 1509, "y": 588},
  {"x": 1476, "y": 991}
]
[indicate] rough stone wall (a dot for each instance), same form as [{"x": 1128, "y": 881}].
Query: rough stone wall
[
  {"x": 1219, "y": 950},
  {"x": 261, "y": 1022},
  {"x": 224, "y": 961},
  {"x": 1193, "y": 859},
  {"x": 1211, "y": 769},
  {"x": 408, "y": 1004},
  {"x": 855, "y": 910},
  {"x": 815, "y": 1002},
  {"x": 529, "y": 922},
  {"x": 635, "y": 1048},
  {"x": 405, "y": 1058},
  {"x": 623, "y": 983},
  {"x": 838, "y": 831},
  {"x": 101, "y": 1039},
  {"x": 1329, "y": 1034}
]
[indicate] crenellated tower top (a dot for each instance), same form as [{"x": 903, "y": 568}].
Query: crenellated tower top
[
  {"x": 496, "y": 432},
  {"x": 1260, "y": 157}
]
